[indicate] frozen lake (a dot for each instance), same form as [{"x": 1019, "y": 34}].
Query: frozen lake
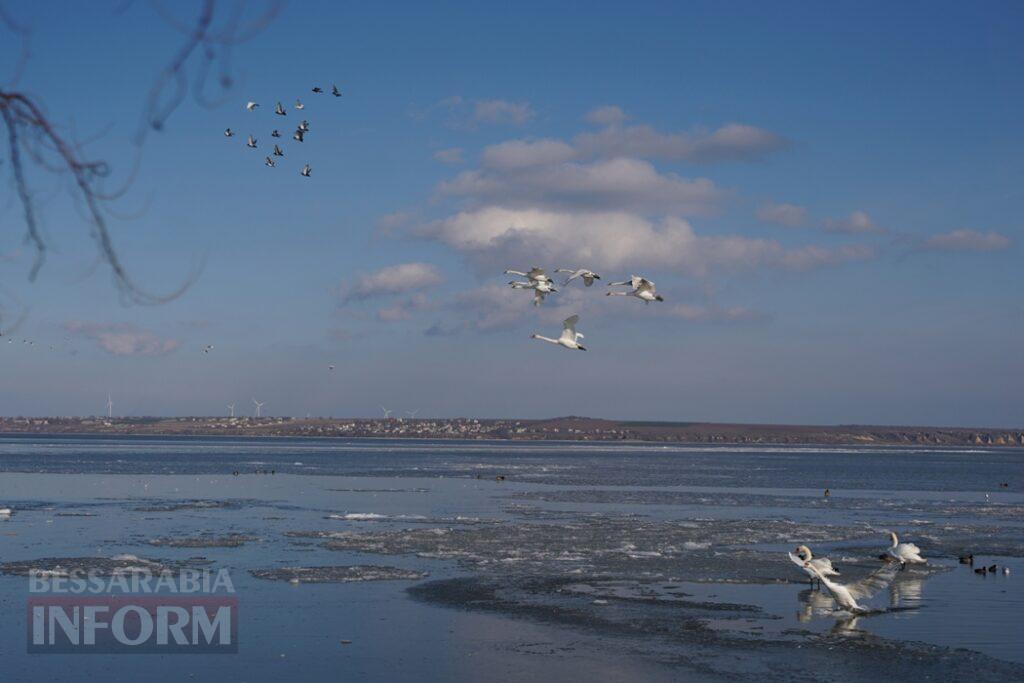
[{"x": 512, "y": 561}]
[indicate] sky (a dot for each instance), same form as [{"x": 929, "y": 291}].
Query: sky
[{"x": 828, "y": 197}]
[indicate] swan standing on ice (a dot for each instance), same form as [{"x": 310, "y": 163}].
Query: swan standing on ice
[
  {"x": 904, "y": 553},
  {"x": 643, "y": 289},
  {"x": 540, "y": 289},
  {"x": 804, "y": 559},
  {"x": 535, "y": 274},
  {"x": 588, "y": 275},
  {"x": 847, "y": 596},
  {"x": 570, "y": 337}
]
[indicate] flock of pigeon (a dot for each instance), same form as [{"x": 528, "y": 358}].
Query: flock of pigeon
[
  {"x": 299, "y": 135},
  {"x": 542, "y": 285}
]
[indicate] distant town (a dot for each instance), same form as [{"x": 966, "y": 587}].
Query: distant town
[{"x": 561, "y": 428}]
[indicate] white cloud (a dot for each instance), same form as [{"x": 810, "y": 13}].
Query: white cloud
[
  {"x": 967, "y": 240},
  {"x": 518, "y": 154},
  {"x": 857, "y": 223},
  {"x": 502, "y": 111},
  {"x": 397, "y": 279},
  {"x": 731, "y": 142},
  {"x": 499, "y": 237},
  {"x": 123, "y": 340},
  {"x": 451, "y": 155},
  {"x": 608, "y": 115},
  {"x": 404, "y": 309},
  {"x": 787, "y": 215},
  {"x": 621, "y": 184}
]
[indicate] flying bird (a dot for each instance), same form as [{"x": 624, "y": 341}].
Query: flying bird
[
  {"x": 335, "y": 91},
  {"x": 304, "y": 126},
  {"x": 299, "y": 104},
  {"x": 251, "y": 142},
  {"x": 570, "y": 337},
  {"x": 643, "y": 289},
  {"x": 541, "y": 288},
  {"x": 278, "y": 152},
  {"x": 251, "y": 106},
  {"x": 208, "y": 348},
  {"x": 275, "y": 134},
  {"x": 306, "y": 170},
  {"x": 535, "y": 274},
  {"x": 317, "y": 89},
  {"x": 269, "y": 162},
  {"x": 279, "y": 110},
  {"x": 588, "y": 275},
  {"x": 299, "y": 134},
  {"x": 330, "y": 367},
  {"x": 228, "y": 132}
]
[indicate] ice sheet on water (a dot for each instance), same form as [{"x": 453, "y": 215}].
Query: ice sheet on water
[
  {"x": 337, "y": 574},
  {"x": 203, "y": 541},
  {"x": 102, "y": 566},
  {"x": 607, "y": 544}
]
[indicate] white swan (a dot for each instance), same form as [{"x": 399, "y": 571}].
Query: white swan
[
  {"x": 588, "y": 275},
  {"x": 299, "y": 105},
  {"x": 535, "y": 274},
  {"x": 541, "y": 288},
  {"x": 904, "y": 553},
  {"x": 643, "y": 289},
  {"x": 803, "y": 558},
  {"x": 847, "y": 596},
  {"x": 570, "y": 337},
  {"x": 251, "y": 106}
]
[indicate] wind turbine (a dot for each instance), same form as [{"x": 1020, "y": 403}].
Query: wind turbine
[
  {"x": 387, "y": 412},
  {"x": 258, "y": 406},
  {"x": 110, "y": 407},
  {"x": 412, "y": 413},
  {"x": 231, "y": 407}
]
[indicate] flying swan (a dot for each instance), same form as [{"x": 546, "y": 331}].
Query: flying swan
[{"x": 570, "y": 337}]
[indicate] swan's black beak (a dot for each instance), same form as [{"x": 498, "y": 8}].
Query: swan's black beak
[
  {"x": 659, "y": 297},
  {"x": 582, "y": 348}
]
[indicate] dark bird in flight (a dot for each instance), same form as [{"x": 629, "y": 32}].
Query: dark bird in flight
[
  {"x": 275, "y": 134},
  {"x": 251, "y": 142},
  {"x": 228, "y": 132},
  {"x": 317, "y": 89},
  {"x": 269, "y": 162},
  {"x": 279, "y": 110},
  {"x": 298, "y": 135},
  {"x": 278, "y": 152},
  {"x": 335, "y": 91},
  {"x": 306, "y": 170}
]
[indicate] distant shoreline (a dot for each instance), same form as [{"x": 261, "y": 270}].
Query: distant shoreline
[{"x": 569, "y": 429}]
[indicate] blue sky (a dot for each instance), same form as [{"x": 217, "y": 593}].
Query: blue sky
[{"x": 829, "y": 199}]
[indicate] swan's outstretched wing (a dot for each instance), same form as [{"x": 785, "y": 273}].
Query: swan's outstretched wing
[
  {"x": 644, "y": 285},
  {"x": 536, "y": 273},
  {"x": 569, "y": 328},
  {"x": 874, "y": 582},
  {"x": 796, "y": 560},
  {"x": 575, "y": 274}
]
